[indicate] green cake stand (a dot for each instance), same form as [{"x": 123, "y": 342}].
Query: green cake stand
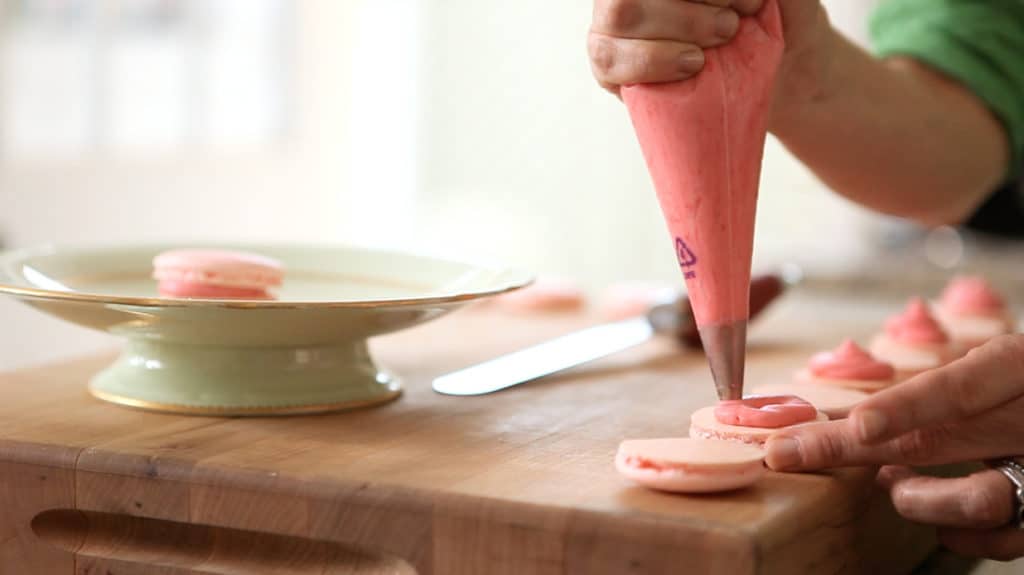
[{"x": 304, "y": 352}]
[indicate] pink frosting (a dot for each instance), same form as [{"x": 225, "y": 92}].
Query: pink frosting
[
  {"x": 850, "y": 361},
  {"x": 765, "y": 411},
  {"x": 970, "y": 295},
  {"x": 915, "y": 325}
]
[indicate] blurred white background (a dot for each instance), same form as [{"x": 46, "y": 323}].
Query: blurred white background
[{"x": 465, "y": 128}]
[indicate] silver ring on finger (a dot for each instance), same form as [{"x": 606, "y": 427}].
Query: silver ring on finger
[{"x": 1013, "y": 471}]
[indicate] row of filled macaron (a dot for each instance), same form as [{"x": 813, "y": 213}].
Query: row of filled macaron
[
  {"x": 723, "y": 450},
  {"x": 921, "y": 337},
  {"x": 910, "y": 342}
]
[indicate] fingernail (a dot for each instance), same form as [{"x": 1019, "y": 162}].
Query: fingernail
[
  {"x": 871, "y": 425},
  {"x": 783, "y": 453},
  {"x": 726, "y": 23},
  {"x": 691, "y": 61}
]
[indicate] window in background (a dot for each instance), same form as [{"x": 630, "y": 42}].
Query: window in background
[
  {"x": 383, "y": 127},
  {"x": 141, "y": 76}
]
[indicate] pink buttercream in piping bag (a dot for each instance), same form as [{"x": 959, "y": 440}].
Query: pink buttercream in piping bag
[
  {"x": 850, "y": 361},
  {"x": 915, "y": 325},
  {"x": 972, "y": 296},
  {"x": 703, "y": 140}
]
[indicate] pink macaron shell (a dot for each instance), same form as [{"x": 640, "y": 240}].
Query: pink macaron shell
[
  {"x": 176, "y": 289},
  {"x": 834, "y": 401},
  {"x": 544, "y": 295},
  {"x": 218, "y": 267},
  {"x": 970, "y": 331},
  {"x": 911, "y": 360},
  {"x": 705, "y": 425},
  {"x": 805, "y": 377},
  {"x": 631, "y": 299},
  {"x": 688, "y": 465}
]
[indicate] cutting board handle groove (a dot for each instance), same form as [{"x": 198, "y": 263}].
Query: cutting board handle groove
[{"x": 205, "y": 548}]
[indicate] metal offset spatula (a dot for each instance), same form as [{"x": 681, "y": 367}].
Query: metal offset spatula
[{"x": 672, "y": 318}]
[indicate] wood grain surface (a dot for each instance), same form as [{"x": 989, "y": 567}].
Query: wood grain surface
[{"x": 517, "y": 482}]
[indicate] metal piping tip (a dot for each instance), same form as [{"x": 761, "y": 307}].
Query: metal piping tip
[{"x": 726, "y": 348}]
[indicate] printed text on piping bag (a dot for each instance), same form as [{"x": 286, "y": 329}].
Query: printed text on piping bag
[{"x": 703, "y": 140}]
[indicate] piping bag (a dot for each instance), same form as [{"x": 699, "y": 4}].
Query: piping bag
[{"x": 703, "y": 141}]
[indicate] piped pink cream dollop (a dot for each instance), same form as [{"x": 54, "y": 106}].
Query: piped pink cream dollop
[
  {"x": 850, "y": 361},
  {"x": 770, "y": 411},
  {"x": 915, "y": 326},
  {"x": 972, "y": 296}
]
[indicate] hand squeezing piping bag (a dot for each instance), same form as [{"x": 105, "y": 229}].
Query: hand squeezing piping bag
[{"x": 703, "y": 140}]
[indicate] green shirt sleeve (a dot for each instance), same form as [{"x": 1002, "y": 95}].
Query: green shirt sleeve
[{"x": 979, "y": 43}]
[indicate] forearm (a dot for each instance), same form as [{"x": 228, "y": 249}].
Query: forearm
[{"x": 894, "y": 136}]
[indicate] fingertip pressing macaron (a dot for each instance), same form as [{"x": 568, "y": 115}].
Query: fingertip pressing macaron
[
  {"x": 216, "y": 274},
  {"x": 690, "y": 465}
]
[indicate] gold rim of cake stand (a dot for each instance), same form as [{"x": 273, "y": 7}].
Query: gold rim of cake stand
[{"x": 393, "y": 393}]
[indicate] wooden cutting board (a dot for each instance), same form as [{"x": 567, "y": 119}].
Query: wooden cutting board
[{"x": 518, "y": 482}]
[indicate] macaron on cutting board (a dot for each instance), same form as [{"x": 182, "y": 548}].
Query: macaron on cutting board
[{"x": 273, "y": 330}]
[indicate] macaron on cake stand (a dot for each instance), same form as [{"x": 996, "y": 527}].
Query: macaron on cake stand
[{"x": 303, "y": 352}]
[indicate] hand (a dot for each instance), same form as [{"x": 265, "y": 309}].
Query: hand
[
  {"x": 969, "y": 410},
  {"x": 650, "y": 41}
]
